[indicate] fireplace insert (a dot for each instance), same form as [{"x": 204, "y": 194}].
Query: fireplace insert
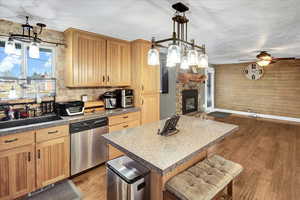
[{"x": 189, "y": 101}]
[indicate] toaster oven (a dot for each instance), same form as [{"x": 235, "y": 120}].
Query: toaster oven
[{"x": 69, "y": 108}]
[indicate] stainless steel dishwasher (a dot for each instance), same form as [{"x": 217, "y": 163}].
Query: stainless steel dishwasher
[{"x": 88, "y": 148}]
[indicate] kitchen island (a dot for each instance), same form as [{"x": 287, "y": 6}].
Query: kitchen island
[{"x": 167, "y": 156}]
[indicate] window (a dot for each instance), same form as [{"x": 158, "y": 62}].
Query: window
[
  {"x": 11, "y": 65},
  {"x": 24, "y": 77},
  {"x": 20, "y": 65}
]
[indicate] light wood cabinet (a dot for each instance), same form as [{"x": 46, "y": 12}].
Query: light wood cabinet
[
  {"x": 149, "y": 108},
  {"x": 17, "y": 167},
  {"x": 94, "y": 60},
  {"x": 120, "y": 122},
  {"x": 145, "y": 82},
  {"x": 33, "y": 159},
  {"x": 53, "y": 159},
  {"x": 85, "y": 59},
  {"x": 118, "y": 63}
]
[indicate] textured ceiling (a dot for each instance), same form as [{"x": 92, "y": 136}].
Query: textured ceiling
[{"x": 231, "y": 29}]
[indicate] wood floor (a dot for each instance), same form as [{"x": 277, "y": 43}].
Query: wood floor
[{"x": 269, "y": 152}]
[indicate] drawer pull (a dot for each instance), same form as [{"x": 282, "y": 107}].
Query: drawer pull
[
  {"x": 126, "y": 126},
  {"x": 39, "y": 154},
  {"x": 52, "y": 132},
  {"x": 125, "y": 117},
  {"x": 29, "y": 156},
  {"x": 10, "y": 141}
]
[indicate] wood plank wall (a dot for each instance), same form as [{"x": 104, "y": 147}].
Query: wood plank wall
[{"x": 276, "y": 93}]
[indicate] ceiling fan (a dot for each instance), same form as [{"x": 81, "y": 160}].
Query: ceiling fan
[{"x": 264, "y": 59}]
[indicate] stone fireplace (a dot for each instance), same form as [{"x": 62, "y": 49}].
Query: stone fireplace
[{"x": 182, "y": 89}]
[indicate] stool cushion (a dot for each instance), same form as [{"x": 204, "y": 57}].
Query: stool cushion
[{"x": 204, "y": 180}]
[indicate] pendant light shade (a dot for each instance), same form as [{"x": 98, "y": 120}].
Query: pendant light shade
[
  {"x": 10, "y": 46},
  {"x": 203, "y": 60},
  {"x": 174, "y": 53},
  {"x": 34, "y": 51},
  {"x": 170, "y": 62},
  {"x": 184, "y": 62},
  {"x": 153, "y": 57},
  {"x": 192, "y": 57}
]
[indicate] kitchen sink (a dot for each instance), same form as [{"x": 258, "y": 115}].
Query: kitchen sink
[{"x": 24, "y": 122}]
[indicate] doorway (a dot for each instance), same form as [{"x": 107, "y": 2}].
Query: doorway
[{"x": 209, "y": 104}]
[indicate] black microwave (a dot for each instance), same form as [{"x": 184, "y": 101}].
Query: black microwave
[{"x": 69, "y": 108}]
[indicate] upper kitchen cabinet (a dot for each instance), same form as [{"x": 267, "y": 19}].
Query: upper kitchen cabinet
[
  {"x": 118, "y": 63},
  {"x": 85, "y": 59},
  {"x": 94, "y": 60}
]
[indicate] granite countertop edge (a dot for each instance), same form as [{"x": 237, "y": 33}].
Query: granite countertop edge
[
  {"x": 65, "y": 121},
  {"x": 178, "y": 163}
]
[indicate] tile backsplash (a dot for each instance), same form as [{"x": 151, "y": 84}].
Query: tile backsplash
[{"x": 62, "y": 92}]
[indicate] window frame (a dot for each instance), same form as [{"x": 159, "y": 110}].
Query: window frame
[{"x": 24, "y": 63}]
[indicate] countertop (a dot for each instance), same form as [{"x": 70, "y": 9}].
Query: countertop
[
  {"x": 164, "y": 153},
  {"x": 66, "y": 120}
]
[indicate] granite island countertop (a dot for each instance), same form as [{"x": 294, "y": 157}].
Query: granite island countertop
[
  {"x": 66, "y": 120},
  {"x": 165, "y": 153}
]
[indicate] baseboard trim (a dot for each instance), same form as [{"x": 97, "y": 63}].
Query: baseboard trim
[{"x": 249, "y": 114}]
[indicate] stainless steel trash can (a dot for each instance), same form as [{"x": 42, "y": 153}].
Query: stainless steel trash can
[{"x": 127, "y": 180}]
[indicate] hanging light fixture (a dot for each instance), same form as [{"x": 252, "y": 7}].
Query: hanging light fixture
[
  {"x": 174, "y": 53},
  {"x": 184, "y": 61},
  {"x": 153, "y": 55},
  {"x": 29, "y": 35},
  {"x": 263, "y": 59},
  {"x": 203, "y": 60},
  {"x": 179, "y": 39},
  {"x": 10, "y": 46},
  {"x": 34, "y": 50}
]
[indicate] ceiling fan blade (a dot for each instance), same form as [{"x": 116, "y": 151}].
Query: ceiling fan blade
[
  {"x": 289, "y": 58},
  {"x": 247, "y": 60}
]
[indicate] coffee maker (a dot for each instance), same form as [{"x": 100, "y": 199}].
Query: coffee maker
[{"x": 109, "y": 99}]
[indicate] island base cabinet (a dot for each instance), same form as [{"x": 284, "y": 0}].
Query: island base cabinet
[
  {"x": 17, "y": 169},
  {"x": 52, "y": 161}
]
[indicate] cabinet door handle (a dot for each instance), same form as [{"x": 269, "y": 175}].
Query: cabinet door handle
[
  {"x": 29, "y": 156},
  {"x": 142, "y": 87},
  {"x": 52, "y": 132},
  {"x": 39, "y": 153},
  {"x": 126, "y": 126},
  {"x": 142, "y": 101},
  {"x": 10, "y": 141},
  {"x": 103, "y": 78},
  {"x": 125, "y": 117},
  {"x": 107, "y": 78}
]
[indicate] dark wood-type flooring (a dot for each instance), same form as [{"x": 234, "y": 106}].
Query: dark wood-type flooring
[{"x": 268, "y": 151}]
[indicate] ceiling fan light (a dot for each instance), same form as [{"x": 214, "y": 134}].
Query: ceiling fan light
[
  {"x": 193, "y": 57},
  {"x": 153, "y": 57},
  {"x": 203, "y": 61},
  {"x": 10, "y": 46},
  {"x": 174, "y": 53},
  {"x": 34, "y": 50},
  {"x": 263, "y": 63}
]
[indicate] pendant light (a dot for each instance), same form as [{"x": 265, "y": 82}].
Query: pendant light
[
  {"x": 10, "y": 46},
  {"x": 170, "y": 62},
  {"x": 184, "y": 61},
  {"x": 174, "y": 53},
  {"x": 34, "y": 50},
  {"x": 263, "y": 63},
  {"x": 179, "y": 39},
  {"x": 153, "y": 55},
  {"x": 203, "y": 60}
]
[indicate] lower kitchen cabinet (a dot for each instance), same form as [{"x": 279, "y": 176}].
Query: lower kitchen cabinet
[
  {"x": 53, "y": 158},
  {"x": 17, "y": 172},
  {"x": 118, "y": 123}
]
